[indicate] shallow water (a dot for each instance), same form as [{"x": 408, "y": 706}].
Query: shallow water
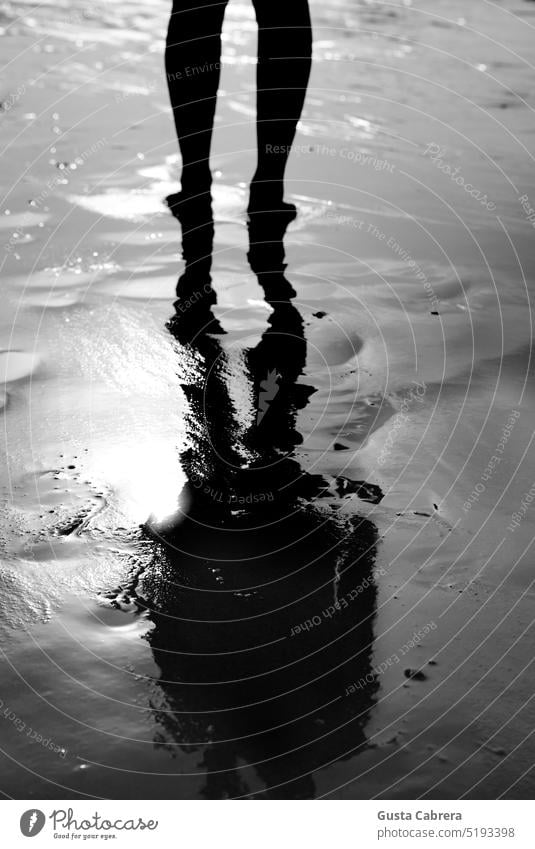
[{"x": 414, "y": 298}]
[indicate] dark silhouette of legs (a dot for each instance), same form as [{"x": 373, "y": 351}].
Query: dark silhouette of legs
[
  {"x": 284, "y": 60},
  {"x": 193, "y": 62},
  {"x": 254, "y": 551}
]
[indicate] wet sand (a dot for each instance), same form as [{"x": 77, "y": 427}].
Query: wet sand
[{"x": 412, "y": 325}]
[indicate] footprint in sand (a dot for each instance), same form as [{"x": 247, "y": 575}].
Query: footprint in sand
[
  {"x": 51, "y": 299},
  {"x": 17, "y": 365},
  {"x": 332, "y": 342}
]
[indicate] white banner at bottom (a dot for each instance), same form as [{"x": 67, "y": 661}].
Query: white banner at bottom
[{"x": 266, "y": 824}]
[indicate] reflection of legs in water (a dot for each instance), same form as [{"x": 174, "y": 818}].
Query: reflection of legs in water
[
  {"x": 193, "y": 61},
  {"x": 261, "y": 592}
]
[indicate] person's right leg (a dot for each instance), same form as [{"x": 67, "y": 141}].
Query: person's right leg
[{"x": 192, "y": 64}]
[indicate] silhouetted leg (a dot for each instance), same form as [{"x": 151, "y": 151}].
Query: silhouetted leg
[
  {"x": 192, "y": 64},
  {"x": 284, "y": 60}
]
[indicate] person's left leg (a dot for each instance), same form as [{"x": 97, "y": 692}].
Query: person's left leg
[{"x": 284, "y": 61}]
